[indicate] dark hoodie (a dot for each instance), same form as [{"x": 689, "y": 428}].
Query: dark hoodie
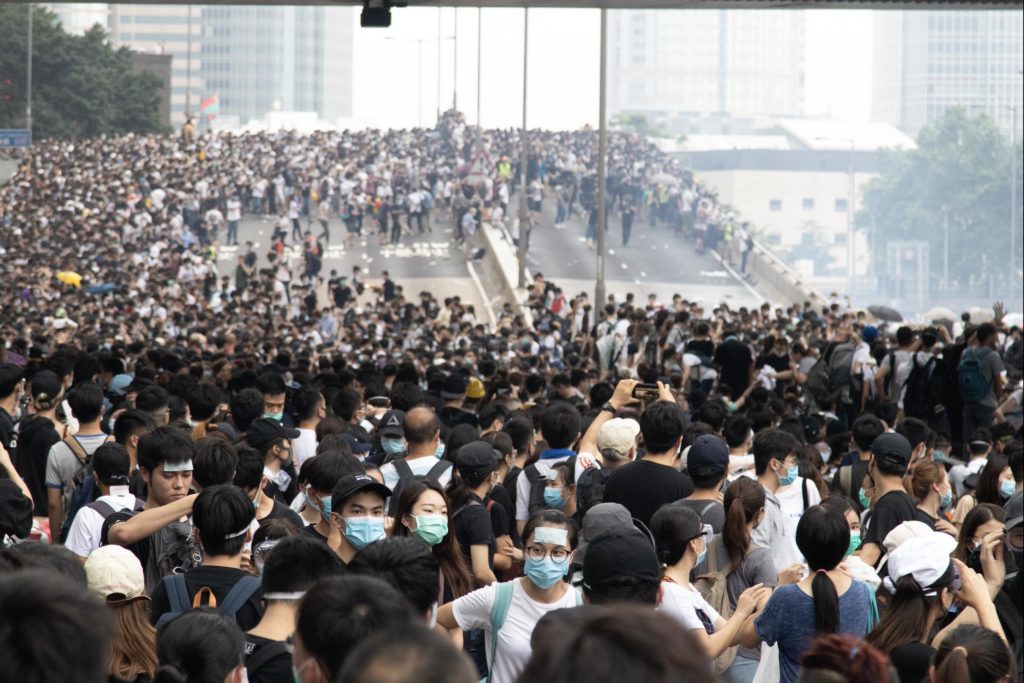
[{"x": 35, "y": 437}]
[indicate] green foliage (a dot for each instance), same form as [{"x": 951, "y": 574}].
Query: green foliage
[
  {"x": 960, "y": 171},
  {"x": 638, "y": 123},
  {"x": 81, "y": 87}
]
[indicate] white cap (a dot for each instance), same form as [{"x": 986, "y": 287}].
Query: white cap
[
  {"x": 926, "y": 558},
  {"x": 904, "y": 532},
  {"x": 618, "y": 434},
  {"x": 114, "y": 573}
]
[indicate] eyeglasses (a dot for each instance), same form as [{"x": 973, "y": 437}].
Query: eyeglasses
[
  {"x": 537, "y": 552},
  {"x": 706, "y": 532}
]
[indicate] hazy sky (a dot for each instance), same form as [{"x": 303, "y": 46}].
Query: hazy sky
[{"x": 563, "y": 66}]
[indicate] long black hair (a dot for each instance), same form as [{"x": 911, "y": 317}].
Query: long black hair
[{"x": 823, "y": 535}]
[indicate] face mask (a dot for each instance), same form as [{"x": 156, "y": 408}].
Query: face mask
[
  {"x": 938, "y": 456},
  {"x": 946, "y": 501},
  {"x": 701, "y": 555},
  {"x": 545, "y": 572},
  {"x": 825, "y": 455},
  {"x": 274, "y": 416},
  {"x": 325, "y": 509},
  {"x": 553, "y": 498},
  {"x": 439, "y": 451},
  {"x": 865, "y": 502},
  {"x": 362, "y": 531},
  {"x": 433, "y": 616},
  {"x": 431, "y": 529},
  {"x": 1007, "y": 487},
  {"x": 790, "y": 477},
  {"x": 393, "y": 446},
  {"x": 854, "y": 543}
]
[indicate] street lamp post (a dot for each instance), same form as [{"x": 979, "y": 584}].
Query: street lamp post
[
  {"x": 28, "y": 74},
  {"x": 438, "y": 62},
  {"x": 945, "y": 247},
  {"x": 1013, "y": 192},
  {"x": 455, "y": 60},
  {"x": 188, "y": 67},
  {"x": 524, "y": 214},
  {"x": 602, "y": 144},
  {"x": 479, "y": 52}
]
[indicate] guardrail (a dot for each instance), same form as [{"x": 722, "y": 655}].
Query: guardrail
[{"x": 764, "y": 267}]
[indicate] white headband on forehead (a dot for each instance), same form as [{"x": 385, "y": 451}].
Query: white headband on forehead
[
  {"x": 185, "y": 466},
  {"x": 548, "y": 534},
  {"x": 243, "y": 532}
]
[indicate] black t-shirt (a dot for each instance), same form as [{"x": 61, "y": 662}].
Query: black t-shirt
[
  {"x": 912, "y": 661},
  {"x": 922, "y": 516},
  {"x": 735, "y": 360},
  {"x": 281, "y": 511},
  {"x": 889, "y": 512},
  {"x": 472, "y": 523},
  {"x": 310, "y": 530},
  {"x": 452, "y": 417},
  {"x": 644, "y": 486},
  {"x": 277, "y": 669},
  {"x": 220, "y": 580},
  {"x": 500, "y": 511},
  {"x": 6, "y": 429},
  {"x": 701, "y": 347}
]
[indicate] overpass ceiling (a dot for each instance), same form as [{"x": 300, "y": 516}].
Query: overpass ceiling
[{"x": 652, "y": 4}]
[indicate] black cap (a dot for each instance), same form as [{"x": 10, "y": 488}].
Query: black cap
[
  {"x": 616, "y": 555},
  {"x": 708, "y": 456},
  {"x": 263, "y": 431},
  {"x": 137, "y": 384},
  {"x": 355, "y": 444},
  {"x": 392, "y": 424},
  {"x": 454, "y": 386},
  {"x": 46, "y": 382},
  {"x": 477, "y": 456},
  {"x": 893, "y": 450},
  {"x": 351, "y": 484}
]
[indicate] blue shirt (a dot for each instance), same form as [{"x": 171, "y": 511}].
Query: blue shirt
[{"x": 788, "y": 619}]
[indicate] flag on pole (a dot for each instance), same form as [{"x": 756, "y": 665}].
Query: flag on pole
[{"x": 210, "y": 106}]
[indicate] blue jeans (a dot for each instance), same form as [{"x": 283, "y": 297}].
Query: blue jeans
[{"x": 742, "y": 670}]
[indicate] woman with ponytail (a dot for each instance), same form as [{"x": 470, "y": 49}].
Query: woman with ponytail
[
  {"x": 826, "y": 601},
  {"x": 200, "y": 646},
  {"x": 920, "y": 584},
  {"x": 475, "y": 474},
  {"x": 746, "y": 564},
  {"x": 930, "y": 488},
  {"x": 972, "y": 654}
]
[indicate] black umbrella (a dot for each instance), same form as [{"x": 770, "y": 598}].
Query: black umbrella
[{"x": 886, "y": 313}]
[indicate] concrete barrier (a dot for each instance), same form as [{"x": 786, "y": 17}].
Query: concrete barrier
[
  {"x": 777, "y": 282},
  {"x": 499, "y": 269}
]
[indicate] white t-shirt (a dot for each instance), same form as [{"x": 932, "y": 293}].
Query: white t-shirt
[
  {"x": 682, "y": 604},
  {"x": 84, "y": 534},
  {"x": 419, "y": 465},
  {"x": 791, "y": 499},
  {"x": 234, "y": 209},
  {"x": 513, "y": 643},
  {"x": 304, "y": 446}
]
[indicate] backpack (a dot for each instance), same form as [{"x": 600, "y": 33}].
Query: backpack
[
  {"x": 590, "y": 487},
  {"x": 974, "y": 386},
  {"x": 817, "y": 382},
  {"x": 921, "y": 400},
  {"x": 499, "y": 611},
  {"x": 79, "y": 502},
  {"x": 83, "y": 482},
  {"x": 840, "y": 367},
  {"x": 177, "y": 596},
  {"x": 713, "y": 588},
  {"x": 405, "y": 473}
]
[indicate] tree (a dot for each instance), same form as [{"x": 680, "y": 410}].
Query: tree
[
  {"x": 959, "y": 176},
  {"x": 638, "y": 123},
  {"x": 81, "y": 86}
]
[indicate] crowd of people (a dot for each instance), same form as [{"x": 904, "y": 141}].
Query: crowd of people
[{"x": 202, "y": 481}]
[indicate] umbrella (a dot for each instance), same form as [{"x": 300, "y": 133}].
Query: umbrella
[
  {"x": 940, "y": 313},
  {"x": 886, "y": 313},
  {"x": 980, "y": 315},
  {"x": 70, "y": 278},
  {"x": 665, "y": 178}
]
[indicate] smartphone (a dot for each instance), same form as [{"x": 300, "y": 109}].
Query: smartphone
[{"x": 645, "y": 391}]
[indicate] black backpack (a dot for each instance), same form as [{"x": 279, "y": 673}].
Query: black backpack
[
  {"x": 83, "y": 481},
  {"x": 539, "y": 482},
  {"x": 178, "y": 598},
  {"x": 405, "y": 473},
  {"x": 924, "y": 390}
]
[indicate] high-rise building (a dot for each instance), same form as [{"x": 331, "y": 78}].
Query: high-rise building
[
  {"x": 81, "y": 16},
  {"x": 166, "y": 29},
  {"x": 739, "y": 62},
  {"x": 925, "y": 62},
  {"x": 263, "y": 58}
]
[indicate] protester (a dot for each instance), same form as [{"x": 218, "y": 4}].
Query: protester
[{"x": 202, "y": 645}]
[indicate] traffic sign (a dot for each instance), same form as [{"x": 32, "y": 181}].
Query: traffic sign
[{"x": 15, "y": 137}]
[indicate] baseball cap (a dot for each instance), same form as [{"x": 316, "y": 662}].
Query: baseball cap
[
  {"x": 46, "y": 382},
  {"x": 925, "y": 557},
  {"x": 892, "y": 449},
  {"x": 477, "y": 456},
  {"x": 355, "y": 444},
  {"x": 869, "y": 333},
  {"x": 618, "y": 434},
  {"x": 351, "y": 484},
  {"x": 708, "y": 456},
  {"x": 454, "y": 386},
  {"x": 619, "y": 554},
  {"x": 115, "y": 574},
  {"x": 392, "y": 424},
  {"x": 601, "y": 518},
  {"x": 118, "y": 384},
  {"x": 904, "y": 532},
  {"x": 1014, "y": 509},
  {"x": 263, "y": 431}
]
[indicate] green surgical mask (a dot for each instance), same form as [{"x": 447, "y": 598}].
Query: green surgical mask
[
  {"x": 431, "y": 529},
  {"x": 865, "y": 502},
  {"x": 854, "y": 543}
]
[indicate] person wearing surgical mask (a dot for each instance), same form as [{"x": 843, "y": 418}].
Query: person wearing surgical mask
[
  {"x": 549, "y": 539},
  {"x": 775, "y": 465},
  {"x": 274, "y": 442},
  {"x": 891, "y": 505},
  {"x": 560, "y": 491},
  {"x": 681, "y": 542},
  {"x": 357, "y": 514}
]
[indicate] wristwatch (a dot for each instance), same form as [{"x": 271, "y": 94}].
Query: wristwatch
[{"x": 609, "y": 407}]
